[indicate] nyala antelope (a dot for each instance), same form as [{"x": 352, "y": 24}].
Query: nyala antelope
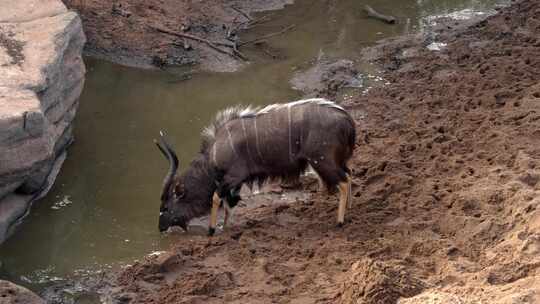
[{"x": 247, "y": 145}]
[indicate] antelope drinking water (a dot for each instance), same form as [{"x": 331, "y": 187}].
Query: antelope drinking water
[{"x": 245, "y": 145}]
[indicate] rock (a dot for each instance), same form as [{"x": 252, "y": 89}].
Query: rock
[
  {"x": 169, "y": 262},
  {"x": 373, "y": 282},
  {"x": 35, "y": 181},
  {"x": 14, "y": 294},
  {"x": 326, "y": 77},
  {"x": 12, "y": 208},
  {"x": 9, "y": 187},
  {"x": 28, "y": 10},
  {"x": 41, "y": 78}
]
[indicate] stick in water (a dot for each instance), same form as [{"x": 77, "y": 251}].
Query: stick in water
[{"x": 374, "y": 14}]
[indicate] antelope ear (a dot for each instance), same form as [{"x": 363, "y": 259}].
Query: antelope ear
[{"x": 179, "y": 190}]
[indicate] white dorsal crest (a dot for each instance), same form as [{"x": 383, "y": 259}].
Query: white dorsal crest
[{"x": 239, "y": 112}]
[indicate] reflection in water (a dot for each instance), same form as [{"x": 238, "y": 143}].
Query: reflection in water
[{"x": 103, "y": 207}]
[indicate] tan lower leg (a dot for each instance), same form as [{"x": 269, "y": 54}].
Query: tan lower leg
[
  {"x": 214, "y": 214},
  {"x": 322, "y": 187},
  {"x": 343, "y": 198},
  {"x": 349, "y": 193},
  {"x": 227, "y": 215}
]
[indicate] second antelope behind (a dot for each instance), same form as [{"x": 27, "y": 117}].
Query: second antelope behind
[{"x": 245, "y": 145}]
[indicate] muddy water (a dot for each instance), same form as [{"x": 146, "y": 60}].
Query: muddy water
[{"x": 103, "y": 209}]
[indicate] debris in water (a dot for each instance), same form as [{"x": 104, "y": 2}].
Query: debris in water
[
  {"x": 62, "y": 203},
  {"x": 41, "y": 276},
  {"x": 156, "y": 253},
  {"x": 464, "y": 14}
]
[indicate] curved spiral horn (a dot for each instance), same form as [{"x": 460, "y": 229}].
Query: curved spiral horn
[{"x": 170, "y": 155}]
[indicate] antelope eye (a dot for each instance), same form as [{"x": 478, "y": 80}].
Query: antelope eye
[{"x": 178, "y": 194}]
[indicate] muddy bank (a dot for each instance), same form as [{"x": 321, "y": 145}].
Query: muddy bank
[
  {"x": 41, "y": 78},
  {"x": 145, "y": 34},
  {"x": 446, "y": 185}
]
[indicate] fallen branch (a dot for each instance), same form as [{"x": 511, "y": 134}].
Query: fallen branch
[
  {"x": 290, "y": 27},
  {"x": 242, "y": 13},
  {"x": 247, "y": 25},
  {"x": 258, "y": 21},
  {"x": 374, "y": 14},
  {"x": 212, "y": 44},
  {"x": 239, "y": 54}
]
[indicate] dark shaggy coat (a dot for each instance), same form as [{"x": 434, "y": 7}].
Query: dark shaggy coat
[
  {"x": 279, "y": 141},
  {"x": 246, "y": 145}
]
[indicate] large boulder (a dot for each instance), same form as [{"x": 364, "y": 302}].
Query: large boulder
[
  {"x": 14, "y": 294},
  {"x": 41, "y": 78}
]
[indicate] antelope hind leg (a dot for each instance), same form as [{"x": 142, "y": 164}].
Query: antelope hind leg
[
  {"x": 226, "y": 219},
  {"x": 349, "y": 194},
  {"x": 322, "y": 187},
  {"x": 344, "y": 199},
  {"x": 214, "y": 214}
]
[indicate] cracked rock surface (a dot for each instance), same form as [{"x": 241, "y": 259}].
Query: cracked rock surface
[{"x": 41, "y": 78}]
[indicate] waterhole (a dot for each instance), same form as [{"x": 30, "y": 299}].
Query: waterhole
[{"x": 103, "y": 209}]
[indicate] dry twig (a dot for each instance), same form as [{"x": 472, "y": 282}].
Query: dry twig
[
  {"x": 242, "y": 13},
  {"x": 288, "y": 28},
  {"x": 212, "y": 44}
]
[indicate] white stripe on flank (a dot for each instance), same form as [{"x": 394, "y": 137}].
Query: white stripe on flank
[
  {"x": 230, "y": 140},
  {"x": 214, "y": 154},
  {"x": 246, "y": 139},
  {"x": 257, "y": 139},
  {"x": 290, "y": 132}
]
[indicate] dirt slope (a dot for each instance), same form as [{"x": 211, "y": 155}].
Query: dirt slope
[
  {"x": 446, "y": 184},
  {"x": 124, "y": 31}
]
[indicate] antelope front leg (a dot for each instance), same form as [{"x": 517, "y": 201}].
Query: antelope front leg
[
  {"x": 349, "y": 196},
  {"x": 344, "y": 199},
  {"x": 214, "y": 214},
  {"x": 226, "y": 219}
]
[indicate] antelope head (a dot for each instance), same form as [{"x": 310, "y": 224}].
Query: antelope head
[
  {"x": 171, "y": 211},
  {"x": 187, "y": 195}
]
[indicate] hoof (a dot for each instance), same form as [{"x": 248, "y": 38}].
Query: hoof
[
  {"x": 211, "y": 231},
  {"x": 340, "y": 224}
]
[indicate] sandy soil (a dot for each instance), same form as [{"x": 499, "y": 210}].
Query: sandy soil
[
  {"x": 446, "y": 184},
  {"x": 124, "y": 31}
]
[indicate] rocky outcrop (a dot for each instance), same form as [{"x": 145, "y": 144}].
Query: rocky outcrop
[
  {"x": 326, "y": 77},
  {"x": 41, "y": 78},
  {"x": 11, "y": 294}
]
